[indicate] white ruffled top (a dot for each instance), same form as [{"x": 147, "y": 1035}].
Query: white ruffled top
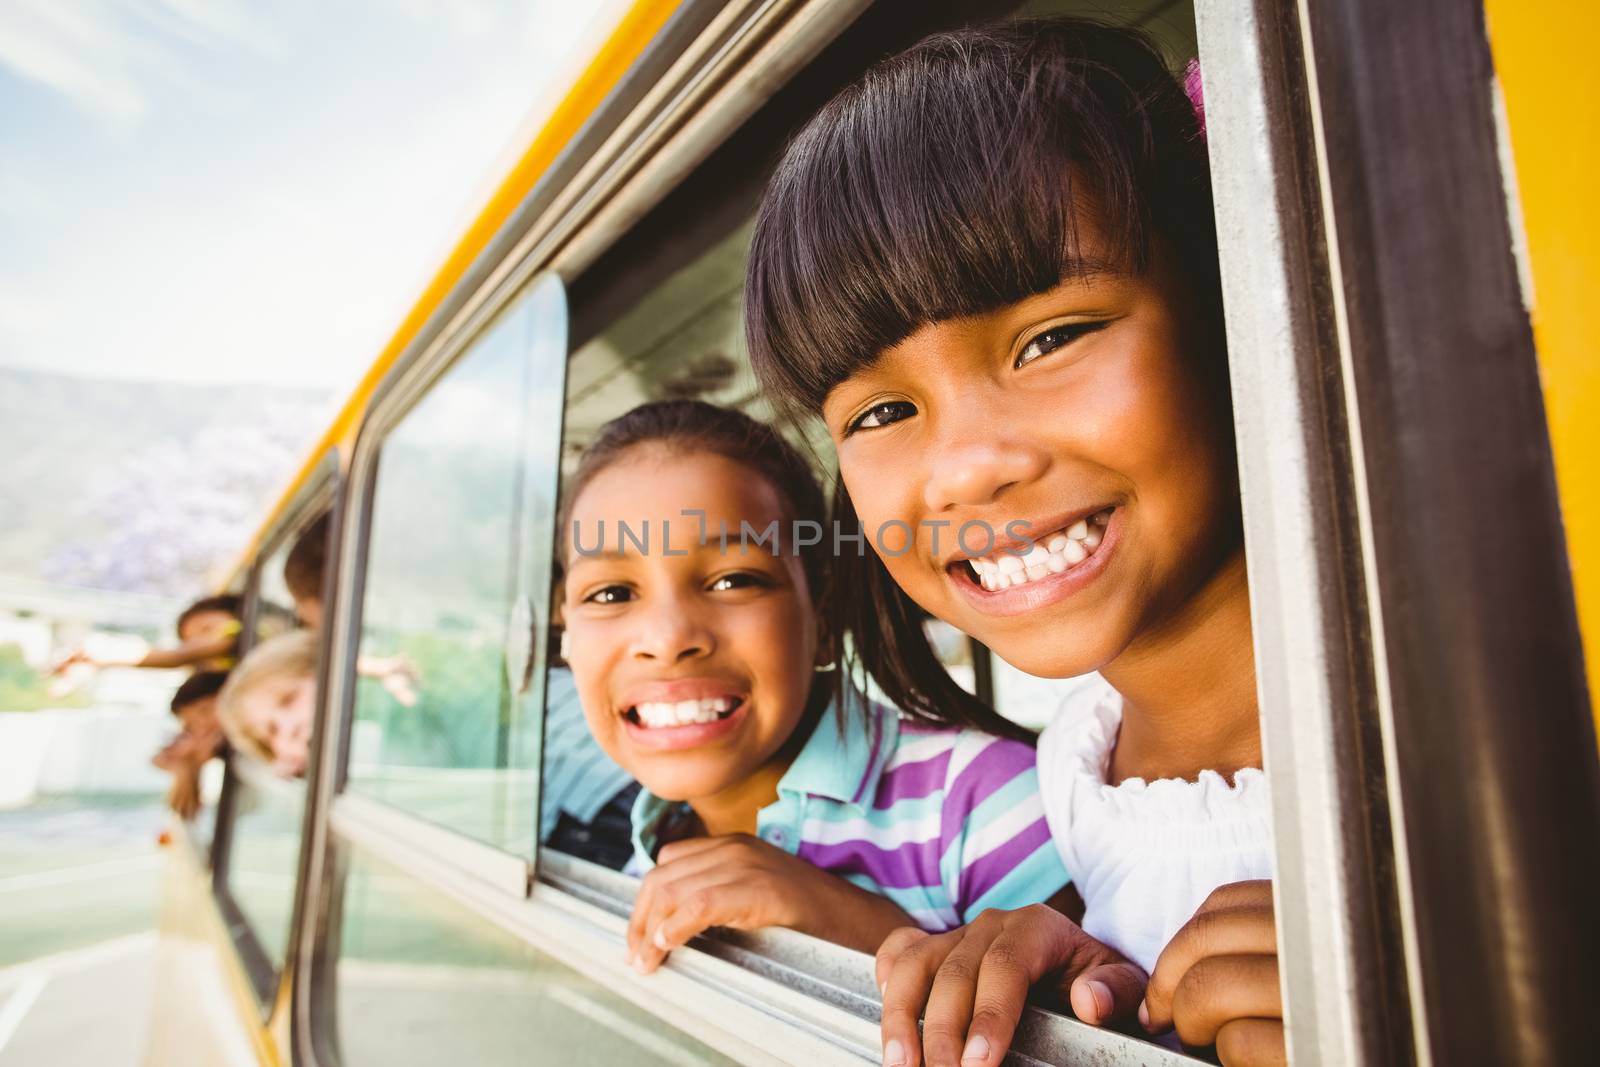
[{"x": 1144, "y": 855}]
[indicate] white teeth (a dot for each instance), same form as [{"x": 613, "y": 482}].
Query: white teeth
[
  {"x": 684, "y": 712},
  {"x": 1051, "y": 555}
]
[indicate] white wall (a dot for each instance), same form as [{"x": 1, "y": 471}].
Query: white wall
[{"x": 88, "y": 750}]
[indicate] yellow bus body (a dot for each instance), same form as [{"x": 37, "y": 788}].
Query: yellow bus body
[{"x": 1554, "y": 126}]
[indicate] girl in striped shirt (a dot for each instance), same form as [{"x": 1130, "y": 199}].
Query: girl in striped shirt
[{"x": 773, "y": 793}]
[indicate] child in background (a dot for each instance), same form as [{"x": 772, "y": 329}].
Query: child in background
[
  {"x": 303, "y": 572},
  {"x": 303, "y": 569},
  {"x": 195, "y": 705},
  {"x": 267, "y": 704},
  {"x": 208, "y": 632},
  {"x": 990, "y": 266},
  {"x": 772, "y": 796}
]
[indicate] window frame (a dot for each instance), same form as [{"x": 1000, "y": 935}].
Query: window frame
[
  {"x": 319, "y": 494},
  {"x": 1493, "y": 820}
]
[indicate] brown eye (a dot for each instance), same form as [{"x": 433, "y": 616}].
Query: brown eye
[
  {"x": 738, "y": 580},
  {"x": 1053, "y": 338},
  {"x": 883, "y": 414},
  {"x": 611, "y": 594}
]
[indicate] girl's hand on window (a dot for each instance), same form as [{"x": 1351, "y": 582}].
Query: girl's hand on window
[
  {"x": 1217, "y": 981},
  {"x": 974, "y": 982},
  {"x": 742, "y": 882}
]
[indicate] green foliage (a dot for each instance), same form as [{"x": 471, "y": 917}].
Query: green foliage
[
  {"x": 24, "y": 689},
  {"x": 461, "y": 703}
]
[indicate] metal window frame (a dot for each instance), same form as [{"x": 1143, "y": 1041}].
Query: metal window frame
[
  {"x": 1490, "y": 745},
  {"x": 1337, "y": 900}
]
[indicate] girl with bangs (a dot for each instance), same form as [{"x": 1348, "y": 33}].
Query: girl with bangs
[{"x": 990, "y": 267}]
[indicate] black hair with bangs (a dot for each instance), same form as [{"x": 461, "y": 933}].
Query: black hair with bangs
[{"x": 949, "y": 181}]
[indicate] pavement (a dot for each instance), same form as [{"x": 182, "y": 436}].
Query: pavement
[{"x": 80, "y": 882}]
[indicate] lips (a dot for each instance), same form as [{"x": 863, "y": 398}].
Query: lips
[
  {"x": 1052, "y": 553},
  {"x": 682, "y": 713},
  {"x": 1058, "y": 565}
]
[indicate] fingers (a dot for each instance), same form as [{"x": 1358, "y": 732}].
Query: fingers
[
  {"x": 696, "y": 883},
  {"x": 1108, "y": 993},
  {"x": 1008, "y": 967},
  {"x": 679, "y": 910},
  {"x": 1221, "y": 989},
  {"x": 892, "y": 948},
  {"x": 1241, "y": 930},
  {"x": 953, "y": 1001},
  {"x": 917, "y": 957},
  {"x": 1252, "y": 1043},
  {"x": 676, "y": 862},
  {"x": 676, "y": 851},
  {"x": 975, "y": 981},
  {"x": 1256, "y": 894}
]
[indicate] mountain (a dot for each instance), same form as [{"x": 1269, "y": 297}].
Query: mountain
[{"x": 134, "y": 485}]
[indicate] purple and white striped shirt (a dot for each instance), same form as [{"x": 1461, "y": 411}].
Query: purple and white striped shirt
[{"x": 943, "y": 821}]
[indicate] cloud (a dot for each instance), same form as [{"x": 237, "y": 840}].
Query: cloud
[
  {"x": 110, "y": 58},
  {"x": 79, "y": 51}
]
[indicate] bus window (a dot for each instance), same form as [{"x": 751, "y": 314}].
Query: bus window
[
  {"x": 262, "y": 811},
  {"x": 440, "y": 726},
  {"x": 421, "y": 980},
  {"x": 258, "y": 873}
]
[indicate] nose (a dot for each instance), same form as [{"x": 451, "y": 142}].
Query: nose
[
  {"x": 973, "y": 467},
  {"x": 293, "y": 725},
  {"x": 671, "y": 632}
]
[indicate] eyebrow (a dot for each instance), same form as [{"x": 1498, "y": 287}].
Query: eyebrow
[{"x": 712, "y": 546}]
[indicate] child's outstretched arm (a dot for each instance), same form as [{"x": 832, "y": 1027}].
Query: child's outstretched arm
[
  {"x": 186, "y": 655},
  {"x": 742, "y": 882},
  {"x": 1216, "y": 982},
  {"x": 974, "y": 982}
]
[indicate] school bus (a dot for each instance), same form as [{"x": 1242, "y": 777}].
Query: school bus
[{"x": 1408, "y": 238}]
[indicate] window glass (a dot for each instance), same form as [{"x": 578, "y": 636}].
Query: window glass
[
  {"x": 442, "y": 722},
  {"x": 413, "y": 967},
  {"x": 275, "y": 691},
  {"x": 274, "y": 608},
  {"x": 263, "y": 856}
]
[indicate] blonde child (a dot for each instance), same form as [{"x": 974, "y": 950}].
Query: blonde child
[{"x": 267, "y": 704}]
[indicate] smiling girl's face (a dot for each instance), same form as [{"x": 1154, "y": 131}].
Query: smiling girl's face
[
  {"x": 1080, "y": 411},
  {"x": 693, "y": 668}
]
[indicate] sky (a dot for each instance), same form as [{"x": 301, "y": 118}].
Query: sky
[{"x": 236, "y": 191}]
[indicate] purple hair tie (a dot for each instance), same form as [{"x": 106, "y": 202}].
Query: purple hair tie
[{"x": 1194, "y": 89}]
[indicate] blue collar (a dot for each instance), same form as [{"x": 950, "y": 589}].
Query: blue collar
[{"x": 840, "y": 766}]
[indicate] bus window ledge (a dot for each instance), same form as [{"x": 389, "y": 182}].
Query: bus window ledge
[{"x": 819, "y": 971}]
